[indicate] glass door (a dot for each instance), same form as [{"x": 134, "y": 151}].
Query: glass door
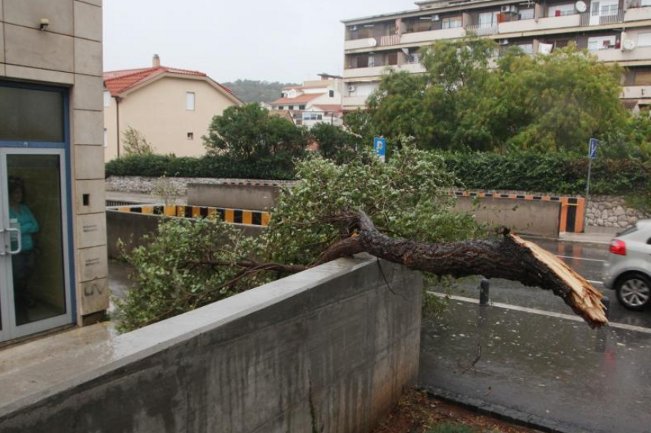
[{"x": 34, "y": 294}]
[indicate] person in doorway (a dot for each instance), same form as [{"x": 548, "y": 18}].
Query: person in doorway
[{"x": 22, "y": 264}]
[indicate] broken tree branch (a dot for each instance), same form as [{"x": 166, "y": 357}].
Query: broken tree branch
[{"x": 508, "y": 256}]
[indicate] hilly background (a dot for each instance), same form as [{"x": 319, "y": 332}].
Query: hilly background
[{"x": 256, "y": 91}]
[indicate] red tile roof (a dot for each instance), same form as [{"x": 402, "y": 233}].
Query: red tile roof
[
  {"x": 118, "y": 82},
  {"x": 307, "y": 97}
]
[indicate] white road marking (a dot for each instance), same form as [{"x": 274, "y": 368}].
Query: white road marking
[
  {"x": 595, "y": 282},
  {"x": 541, "y": 312},
  {"x": 580, "y": 258}
]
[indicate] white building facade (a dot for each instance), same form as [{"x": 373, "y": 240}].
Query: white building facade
[{"x": 614, "y": 30}]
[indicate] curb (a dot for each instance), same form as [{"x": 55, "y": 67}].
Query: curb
[{"x": 504, "y": 413}]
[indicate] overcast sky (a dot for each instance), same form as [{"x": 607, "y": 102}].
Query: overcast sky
[{"x": 272, "y": 40}]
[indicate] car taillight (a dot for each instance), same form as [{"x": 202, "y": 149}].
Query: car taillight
[{"x": 617, "y": 247}]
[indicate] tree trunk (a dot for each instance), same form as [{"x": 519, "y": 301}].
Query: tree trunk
[{"x": 507, "y": 256}]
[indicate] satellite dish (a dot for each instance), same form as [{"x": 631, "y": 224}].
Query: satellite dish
[
  {"x": 628, "y": 44},
  {"x": 581, "y": 6}
]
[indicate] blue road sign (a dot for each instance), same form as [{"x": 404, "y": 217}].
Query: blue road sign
[
  {"x": 593, "y": 144},
  {"x": 380, "y": 147}
]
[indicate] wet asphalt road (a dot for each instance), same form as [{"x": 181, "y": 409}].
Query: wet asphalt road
[
  {"x": 586, "y": 259},
  {"x": 551, "y": 371}
]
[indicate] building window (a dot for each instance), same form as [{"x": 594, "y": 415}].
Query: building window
[
  {"x": 190, "y": 135},
  {"x": 527, "y": 14},
  {"x": 107, "y": 98},
  {"x": 31, "y": 114},
  {"x": 561, "y": 10},
  {"x": 301, "y": 107},
  {"x": 291, "y": 107},
  {"x": 451, "y": 23},
  {"x": 189, "y": 101},
  {"x": 331, "y": 93},
  {"x": 280, "y": 107},
  {"x": 488, "y": 19},
  {"x": 601, "y": 43},
  {"x": 526, "y": 48},
  {"x": 644, "y": 39}
]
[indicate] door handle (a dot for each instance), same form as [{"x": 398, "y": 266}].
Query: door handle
[
  {"x": 2, "y": 243},
  {"x": 18, "y": 241}
]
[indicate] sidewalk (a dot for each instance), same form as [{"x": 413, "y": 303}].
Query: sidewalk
[{"x": 593, "y": 235}]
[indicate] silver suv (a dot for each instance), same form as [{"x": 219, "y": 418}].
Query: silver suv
[{"x": 628, "y": 267}]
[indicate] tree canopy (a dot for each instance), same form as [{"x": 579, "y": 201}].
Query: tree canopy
[
  {"x": 250, "y": 131},
  {"x": 471, "y": 99}
]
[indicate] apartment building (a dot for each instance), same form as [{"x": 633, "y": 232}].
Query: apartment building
[
  {"x": 313, "y": 102},
  {"x": 614, "y": 30}
]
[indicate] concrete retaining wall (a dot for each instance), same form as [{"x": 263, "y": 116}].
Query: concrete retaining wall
[
  {"x": 539, "y": 218},
  {"x": 237, "y": 196},
  {"x": 325, "y": 350},
  {"x": 131, "y": 227}
]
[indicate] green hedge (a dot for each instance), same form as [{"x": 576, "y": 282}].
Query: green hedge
[
  {"x": 553, "y": 173},
  {"x": 277, "y": 167}
]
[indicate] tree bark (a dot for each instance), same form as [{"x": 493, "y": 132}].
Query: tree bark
[{"x": 507, "y": 256}]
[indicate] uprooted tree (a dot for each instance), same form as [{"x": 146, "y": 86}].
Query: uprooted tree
[{"x": 399, "y": 211}]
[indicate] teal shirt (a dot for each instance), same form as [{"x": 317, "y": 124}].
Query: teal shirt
[{"x": 28, "y": 226}]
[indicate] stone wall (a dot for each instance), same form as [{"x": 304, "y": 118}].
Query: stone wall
[
  {"x": 143, "y": 184},
  {"x": 611, "y": 211}
]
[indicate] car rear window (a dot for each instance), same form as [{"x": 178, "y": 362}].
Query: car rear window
[{"x": 631, "y": 229}]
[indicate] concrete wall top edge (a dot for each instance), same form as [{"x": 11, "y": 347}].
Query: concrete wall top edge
[{"x": 95, "y": 360}]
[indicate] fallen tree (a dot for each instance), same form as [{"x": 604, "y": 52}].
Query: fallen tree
[{"x": 191, "y": 264}]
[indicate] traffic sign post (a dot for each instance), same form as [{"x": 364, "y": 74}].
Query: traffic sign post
[
  {"x": 593, "y": 145},
  {"x": 380, "y": 147}
]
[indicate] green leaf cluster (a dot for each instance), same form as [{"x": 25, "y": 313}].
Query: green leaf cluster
[
  {"x": 187, "y": 264},
  {"x": 472, "y": 99},
  {"x": 558, "y": 173},
  {"x": 279, "y": 167},
  {"x": 184, "y": 265},
  {"x": 248, "y": 132},
  {"x": 406, "y": 197}
]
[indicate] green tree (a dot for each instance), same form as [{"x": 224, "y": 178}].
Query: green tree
[
  {"x": 249, "y": 132},
  {"x": 562, "y": 99},
  {"x": 334, "y": 142},
  {"x": 469, "y": 99},
  {"x": 135, "y": 143}
]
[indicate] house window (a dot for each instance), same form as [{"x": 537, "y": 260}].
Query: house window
[
  {"x": 331, "y": 93},
  {"x": 107, "y": 98},
  {"x": 451, "y": 23},
  {"x": 189, "y": 101},
  {"x": 190, "y": 135},
  {"x": 561, "y": 10},
  {"x": 291, "y": 107},
  {"x": 280, "y": 107},
  {"x": 301, "y": 107}
]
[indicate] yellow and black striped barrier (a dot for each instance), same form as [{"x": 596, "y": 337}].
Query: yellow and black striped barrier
[
  {"x": 572, "y": 208},
  {"x": 233, "y": 216}
]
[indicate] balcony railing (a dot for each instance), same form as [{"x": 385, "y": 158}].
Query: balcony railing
[
  {"x": 389, "y": 40},
  {"x": 482, "y": 29}
]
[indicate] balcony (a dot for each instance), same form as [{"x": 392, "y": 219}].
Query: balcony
[
  {"x": 352, "y": 102},
  {"x": 482, "y": 30},
  {"x": 636, "y": 92},
  {"x": 540, "y": 24},
  {"x": 356, "y": 44},
  {"x": 637, "y": 14},
  {"x": 378, "y": 71},
  {"x": 623, "y": 56},
  {"x": 432, "y": 35}
]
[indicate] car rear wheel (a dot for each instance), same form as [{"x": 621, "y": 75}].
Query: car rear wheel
[{"x": 634, "y": 291}]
